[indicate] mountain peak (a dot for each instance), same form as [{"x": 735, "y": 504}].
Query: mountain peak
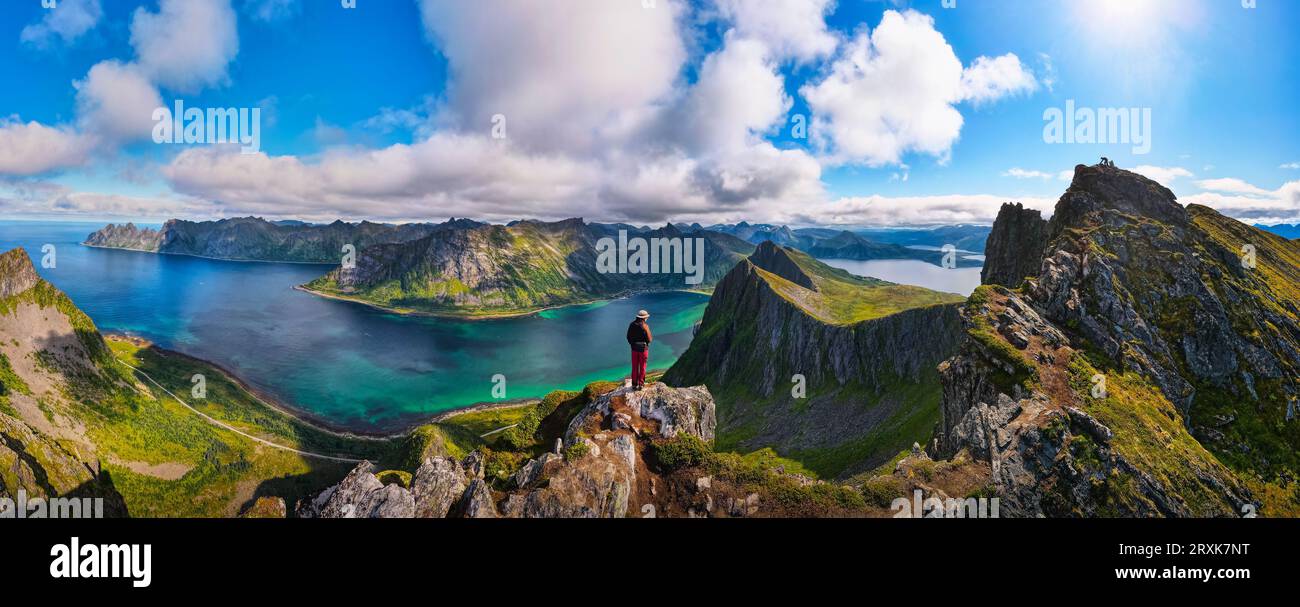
[
  {"x": 1099, "y": 188},
  {"x": 16, "y": 273},
  {"x": 774, "y": 258}
]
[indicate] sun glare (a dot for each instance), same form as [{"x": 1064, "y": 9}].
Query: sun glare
[{"x": 1126, "y": 22}]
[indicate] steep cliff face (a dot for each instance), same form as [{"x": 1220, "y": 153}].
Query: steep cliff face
[
  {"x": 1149, "y": 368},
  {"x": 1014, "y": 246},
  {"x": 839, "y": 377},
  {"x": 516, "y": 268},
  {"x": 255, "y": 239}
]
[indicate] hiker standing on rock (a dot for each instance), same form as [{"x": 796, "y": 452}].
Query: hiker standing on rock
[{"x": 639, "y": 337}]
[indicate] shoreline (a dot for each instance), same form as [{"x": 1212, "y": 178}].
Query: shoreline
[
  {"x": 268, "y": 400},
  {"x": 320, "y": 424},
  {"x": 489, "y": 316}
]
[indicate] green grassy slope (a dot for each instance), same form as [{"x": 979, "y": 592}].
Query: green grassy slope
[{"x": 866, "y": 350}]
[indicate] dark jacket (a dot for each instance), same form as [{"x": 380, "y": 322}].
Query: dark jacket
[{"x": 638, "y": 335}]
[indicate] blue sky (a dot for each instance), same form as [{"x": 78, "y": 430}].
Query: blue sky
[{"x": 616, "y": 111}]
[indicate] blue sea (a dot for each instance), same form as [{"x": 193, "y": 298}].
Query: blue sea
[{"x": 350, "y": 365}]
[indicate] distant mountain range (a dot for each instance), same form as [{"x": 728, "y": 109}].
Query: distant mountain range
[
  {"x": 863, "y": 244},
  {"x": 1291, "y": 231},
  {"x": 513, "y": 269},
  {"x": 255, "y": 239},
  {"x": 464, "y": 267}
]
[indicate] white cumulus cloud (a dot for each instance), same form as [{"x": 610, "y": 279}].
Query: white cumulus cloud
[
  {"x": 187, "y": 45},
  {"x": 1248, "y": 202},
  {"x": 1162, "y": 175},
  {"x": 563, "y": 74},
  {"x": 32, "y": 148},
  {"x": 791, "y": 28},
  {"x": 893, "y": 90},
  {"x": 116, "y": 101},
  {"x": 990, "y": 79}
]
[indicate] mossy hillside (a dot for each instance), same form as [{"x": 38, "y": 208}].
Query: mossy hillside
[
  {"x": 231, "y": 403},
  {"x": 915, "y": 411},
  {"x": 1148, "y": 432},
  {"x": 1275, "y": 279},
  {"x": 43, "y": 466},
  {"x": 434, "y": 440},
  {"x": 912, "y": 422},
  {"x": 1243, "y": 422},
  {"x": 528, "y": 264},
  {"x": 491, "y": 420},
  {"x": 1014, "y": 368},
  {"x": 9, "y": 384}
]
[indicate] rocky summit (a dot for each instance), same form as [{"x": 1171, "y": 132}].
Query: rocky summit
[
  {"x": 598, "y": 470},
  {"x": 621, "y": 456},
  {"x": 1143, "y": 362}
]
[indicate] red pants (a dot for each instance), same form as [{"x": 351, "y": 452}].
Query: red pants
[{"x": 639, "y": 360}]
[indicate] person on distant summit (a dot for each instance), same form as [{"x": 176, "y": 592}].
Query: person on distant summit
[{"x": 639, "y": 337}]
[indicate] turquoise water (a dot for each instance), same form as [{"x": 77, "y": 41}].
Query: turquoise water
[{"x": 347, "y": 364}]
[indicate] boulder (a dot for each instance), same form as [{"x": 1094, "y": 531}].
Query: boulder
[{"x": 437, "y": 485}]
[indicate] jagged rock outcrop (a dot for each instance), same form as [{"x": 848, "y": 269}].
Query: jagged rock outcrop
[
  {"x": 16, "y": 273},
  {"x": 1014, "y": 246},
  {"x": 1049, "y": 456},
  {"x": 690, "y": 410},
  {"x": 437, "y": 486},
  {"x": 601, "y": 473},
  {"x": 1143, "y": 367},
  {"x": 477, "y": 502},
  {"x": 360, "y": 495},
  {"x": 1167, "y": 291}
]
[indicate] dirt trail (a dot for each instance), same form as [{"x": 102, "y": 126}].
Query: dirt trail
[{"x": 226, "y": 426}]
